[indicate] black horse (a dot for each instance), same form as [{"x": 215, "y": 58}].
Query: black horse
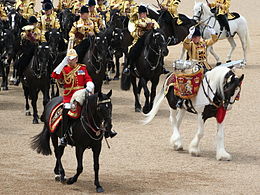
[
  {"x": 93, "y": 52},
  {"x": 176, "y": 33},
  {"x": 37, "y": 78},
  {"x": 57, "y": 47},
  {"x": 7, "y": 54},
  {"x": 121, "y": 39},
  {"x": 148, "y": 67},
  {"x": 66, "y": 18},
  {"x": 87, "y": 132},
  {"x": 15, "y": 24}
]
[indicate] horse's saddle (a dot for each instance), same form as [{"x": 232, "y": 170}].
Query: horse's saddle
[
  {"x": 233, "y": 16},
  {"x": 56, "y": 115},
  {"x": 186, "y": 84}
]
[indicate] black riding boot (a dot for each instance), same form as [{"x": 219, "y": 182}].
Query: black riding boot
[
  {"x": 223, "y": 21},
  {"x": 65, "y": 126},
  {"x": 110, "y": 133}
]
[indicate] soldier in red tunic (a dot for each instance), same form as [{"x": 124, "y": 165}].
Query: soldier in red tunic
[{"x": 74, "y": 76}]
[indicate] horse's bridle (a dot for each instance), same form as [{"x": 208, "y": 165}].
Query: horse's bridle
[
  {"x": 159, "y": 54},
  {"x": 221, "y": 101},
  {"x": 85, "y": 121}
]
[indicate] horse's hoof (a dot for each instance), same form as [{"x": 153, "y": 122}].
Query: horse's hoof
[
  {"x": 178, "y": 148},
  {"x": 35, "y": 121},
  {"x": 116, "y": 78},
  {"x": 71, "y": 181},
  {"x": 99, "y": 189},
  {"x": 27, "y": 113},
  {"x": 138, "y": 110},
  {"x": 146, "y": 110},
  {"x": 5, "y": 88},
  {"x": 57, "y": 178},
  {"x": 42, "y": 118},
  {"x": 228, "y": 61}
]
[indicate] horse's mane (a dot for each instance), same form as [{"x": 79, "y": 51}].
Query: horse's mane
[{"x": 216, "y": 78}]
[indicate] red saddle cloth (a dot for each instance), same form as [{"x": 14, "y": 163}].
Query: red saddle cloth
[
  {"x": 185, "y": 86},
  {"x": 56, "y": 115}
]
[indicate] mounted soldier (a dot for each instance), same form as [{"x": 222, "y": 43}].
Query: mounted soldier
[
  {"x": 137, "y": 29},
  {"x": 64, "y": 4},
  {"x": 3, "y": 15},
  {"x": 197, "y": 47},
  {"x": 48, "y": 21},
  {"x": 75, "y": 77},
  {"x": 31, "y": 37},
  {"x": 25, "y": 8},
  {"x": 221, "y": 9},
  {"x": 94, "y": 15},
  {"x": 84, "y": 27},
  {"x": 76, "y": 7}
]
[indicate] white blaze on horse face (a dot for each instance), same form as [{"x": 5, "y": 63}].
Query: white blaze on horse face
[{"x": 12, "y": 21}]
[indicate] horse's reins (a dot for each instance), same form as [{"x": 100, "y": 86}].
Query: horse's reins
[
  {"x": 207, "y": 95},
  {"x": 156, "y": 53},
  {"x": 97, "y": 130}
]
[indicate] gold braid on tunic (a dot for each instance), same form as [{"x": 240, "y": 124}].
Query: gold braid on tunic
[{"x": 70, "y": 78}]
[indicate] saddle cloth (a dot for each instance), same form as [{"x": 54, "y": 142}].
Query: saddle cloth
[
  {"x": 233, "y": 16},
  {"x": 56, "y": 115},
  {"x": 186, "y": 85}
]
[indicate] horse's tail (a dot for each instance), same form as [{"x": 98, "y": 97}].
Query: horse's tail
[
  {"x": 125, "y": 81},
  {"x": 41, "y": 142},
  {"x": 157, "y": 102}
]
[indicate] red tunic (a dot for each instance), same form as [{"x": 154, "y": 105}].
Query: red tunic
[{"x": 74, "y": 80}]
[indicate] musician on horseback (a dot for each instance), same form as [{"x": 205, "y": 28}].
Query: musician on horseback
[
  {"x": 221, "y": 9},
  {"x": 142, "y": 24},
  {"x": 197, "y": 47},
  {"x": 3, "y": 15},
  {"x": 48, "y": 21},
  {"x": 31, "y": 36},
  {"x": 76, "y": 7},
  {"x": 65, "y": 4},
  {"x": 25, "y": 8},
  {"x": 84, "y": 27},
  {"x": 94, "y": 15}
]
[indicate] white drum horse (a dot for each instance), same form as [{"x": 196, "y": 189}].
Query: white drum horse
[
  {"x": 204, "y": 17},
  {"x": 217, "y": 93}
]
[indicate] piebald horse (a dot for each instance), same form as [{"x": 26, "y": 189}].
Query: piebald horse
[{"x": 217, "y": 92}]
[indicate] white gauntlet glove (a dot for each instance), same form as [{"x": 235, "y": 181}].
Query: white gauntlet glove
[
  {"x": 90, "y": 87},
  {"x": 191, "y": 31}
]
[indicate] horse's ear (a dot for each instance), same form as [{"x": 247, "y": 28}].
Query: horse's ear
[
  {"x": 109, "y": 93},
  {"x": 241, "y": 78}
]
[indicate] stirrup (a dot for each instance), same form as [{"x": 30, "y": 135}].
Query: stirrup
[{"x": 63, "y": 141}]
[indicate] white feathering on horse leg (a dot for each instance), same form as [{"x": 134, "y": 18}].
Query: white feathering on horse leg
[
  {"x": 194, "y": 149},
  {"x": 176, "y": 137},
  {"x": 221, "y": 153}
]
